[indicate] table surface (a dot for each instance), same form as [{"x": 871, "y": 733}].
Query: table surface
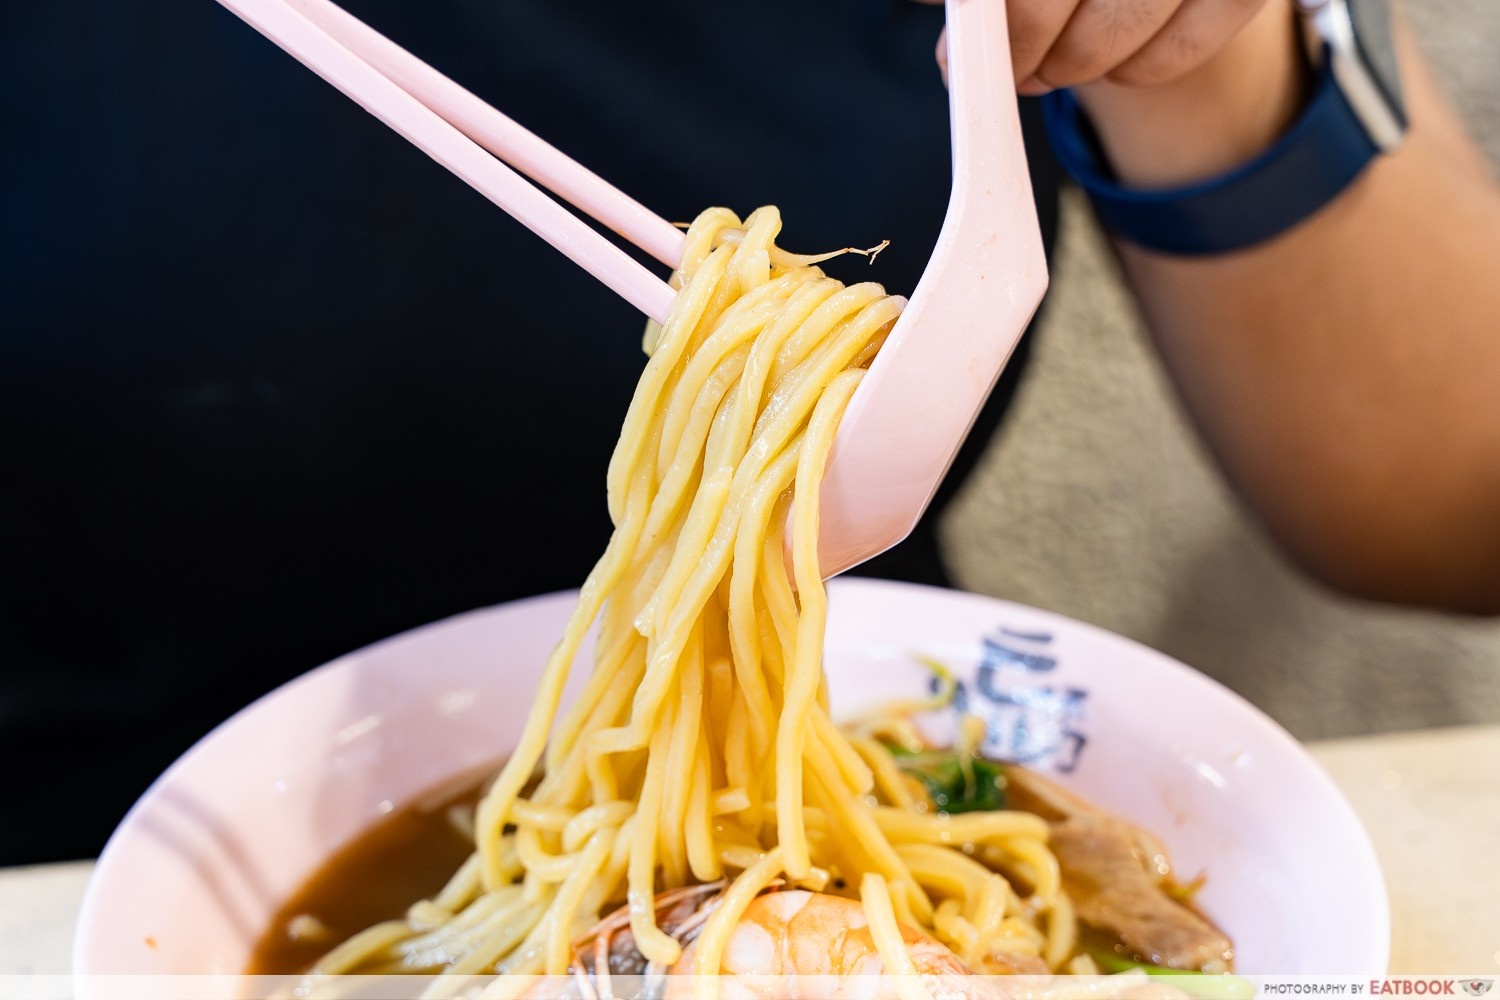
[{"x": 1431, "y": 801}]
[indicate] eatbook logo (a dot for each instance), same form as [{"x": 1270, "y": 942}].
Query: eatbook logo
[{"x": 1477, "y": 987}]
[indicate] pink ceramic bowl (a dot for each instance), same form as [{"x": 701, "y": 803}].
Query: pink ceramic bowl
[{"x": 198, "y": 867}]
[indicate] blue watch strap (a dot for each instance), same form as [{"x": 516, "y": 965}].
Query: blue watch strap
[{"x": 1319, "y": 155}]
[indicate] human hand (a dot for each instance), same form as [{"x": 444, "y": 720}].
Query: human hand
[
  {"x": 1068, "y": 43},
  {"x": 1179, "y": 90}
]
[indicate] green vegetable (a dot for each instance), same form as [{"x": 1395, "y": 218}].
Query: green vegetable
[
  {"x": 947, "y": 685},
  {"x": 955, "y": 785},
  {"x": 1207, "y": 985}
]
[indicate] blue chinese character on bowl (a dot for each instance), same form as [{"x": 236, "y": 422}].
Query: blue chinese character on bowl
[{"x": 1026, "y": 719}]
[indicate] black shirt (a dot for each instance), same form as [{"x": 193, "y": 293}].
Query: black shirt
[{"x": 273, "y": 385}]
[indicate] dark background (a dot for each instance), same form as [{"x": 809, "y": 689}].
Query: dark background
[{"x": 273, "y": 385}]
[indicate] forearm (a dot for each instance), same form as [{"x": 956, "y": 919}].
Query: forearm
[{"x": 1346, "y": 374}]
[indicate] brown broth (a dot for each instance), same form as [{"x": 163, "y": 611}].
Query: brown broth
[
  {"x": 411, "y": 853},
  {"x": 407, "y": 855}
]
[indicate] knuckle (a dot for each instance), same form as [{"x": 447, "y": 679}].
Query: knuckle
[
  {"x": 1033, "y": 26},
  {"x": 1167, "y": 58},
  {"x": 1069, "y": 70},
  {"x": 1136, "y": 73},
  {"x": 1102, "y": 35}
]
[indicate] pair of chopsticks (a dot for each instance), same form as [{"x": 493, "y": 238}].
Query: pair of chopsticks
[
  {"x": 920, "y": 396},
  {"x": 471, "y": 139}
]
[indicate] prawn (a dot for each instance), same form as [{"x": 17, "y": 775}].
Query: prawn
[
  {"x": 800, "y": 943},
  {"x": 797, "y": 943}
]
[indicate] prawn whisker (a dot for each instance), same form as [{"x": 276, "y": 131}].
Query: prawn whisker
[{"x": 585, "y": 985}]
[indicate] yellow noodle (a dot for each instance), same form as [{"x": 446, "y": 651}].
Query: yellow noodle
[
  {"x": 876, "y": 898},
  {"x": 730, "y": 800},
  {"x": 656, "y": 946},
  {"x": 969, "y": 828},
  {"x": 802, "y": 683},
  {"x": 541, "y": 864},
  {"x": 462, "y": 887},
  {"x": 986, "y": 911},
  {"x": 902, "y": 893},
  {"x": 1040, "y": 863},
  {"x": 1018, "y": 934},
  {"x": 671, "y": 849},
  {"x": 857, "y": 775},
  {"x": 954, "y": 930},
  {"x": 703, "y": 860},
  {"x": 889, "y": 782},
  {"x": 422, "y": 915},
  {"x": 535, "y": 816},
  {"x": 584, "y": 823},
  {"x": 485, "y": 936},
  {"x": 709, "y": 949},
  {"x": 1062, "y": 931},
  {"x": 702, "y": 742},
  {"x": 362, "y": 947},
  {"x": 1082, "y": 965},
  {"x": 950, "y": 873},
  {"x": 564, "y": 908}
]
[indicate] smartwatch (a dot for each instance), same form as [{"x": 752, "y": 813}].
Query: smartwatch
[{"x": 1355, "y": 113}]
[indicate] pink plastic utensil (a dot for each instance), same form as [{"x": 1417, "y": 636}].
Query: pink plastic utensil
[
  {"x": 983, "y": 282},
  {"x": 981, "y": 286}
]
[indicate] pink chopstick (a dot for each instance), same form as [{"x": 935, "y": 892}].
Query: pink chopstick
[{"x": 461, "y": 132}]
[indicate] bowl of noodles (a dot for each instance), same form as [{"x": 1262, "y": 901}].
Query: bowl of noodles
[
  {"x": 706, "y": 773},
  {"x": 206, "y": 873}
]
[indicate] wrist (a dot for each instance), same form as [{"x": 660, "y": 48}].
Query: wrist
[{"x": 1217, "y": 117}]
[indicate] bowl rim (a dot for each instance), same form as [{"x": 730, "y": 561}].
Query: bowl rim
[{"x": 1265, "y": 728}]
